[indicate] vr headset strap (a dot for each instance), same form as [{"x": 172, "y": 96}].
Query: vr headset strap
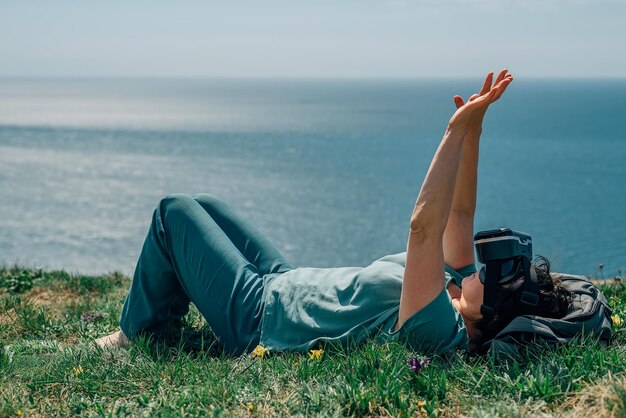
[
  {"x": 530, "y": 294},
  {"x": 492, "y": 276}
]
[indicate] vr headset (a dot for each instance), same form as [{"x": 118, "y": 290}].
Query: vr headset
[{"x": 506, "y": 255}]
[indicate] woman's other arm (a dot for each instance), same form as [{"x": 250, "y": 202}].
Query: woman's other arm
[
  {"x": 424, "y": 272},
  {"x": 458, "y": 237}
]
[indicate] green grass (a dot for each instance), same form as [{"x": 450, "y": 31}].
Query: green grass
[{"x": 48, "y": 366}]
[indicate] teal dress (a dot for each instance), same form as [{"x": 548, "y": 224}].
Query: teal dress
[{"x": 305, "y": 307}]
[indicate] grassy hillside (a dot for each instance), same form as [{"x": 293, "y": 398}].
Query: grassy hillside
[{"x": 48, "y": 366}]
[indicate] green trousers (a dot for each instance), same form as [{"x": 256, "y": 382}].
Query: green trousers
[{"x": 199, "y": 250}]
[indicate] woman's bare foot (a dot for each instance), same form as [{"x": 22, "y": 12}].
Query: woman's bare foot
[{"x": 117, "y": 339}]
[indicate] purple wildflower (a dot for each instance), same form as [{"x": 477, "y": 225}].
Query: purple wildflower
[
  {"x": 416, "y": 364},
  {"x": 90, "y": 317}
]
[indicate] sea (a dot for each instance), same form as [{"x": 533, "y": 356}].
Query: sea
[{"x": 328, "y": 170}]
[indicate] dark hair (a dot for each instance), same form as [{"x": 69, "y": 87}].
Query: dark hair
[{"x": 554, "y": 300}]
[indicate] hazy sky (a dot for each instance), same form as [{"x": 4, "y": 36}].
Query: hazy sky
[{"x": 350, "y": 38}]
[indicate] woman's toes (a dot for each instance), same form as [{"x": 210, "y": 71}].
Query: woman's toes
[{"x": 117, "y": 339}]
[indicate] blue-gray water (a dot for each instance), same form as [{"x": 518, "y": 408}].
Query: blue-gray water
[{"x": 329, "y": 170}]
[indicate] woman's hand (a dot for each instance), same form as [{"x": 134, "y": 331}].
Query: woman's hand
[
  {"x": 454, "y": 290},
  {"x": 469, "y": 115}
]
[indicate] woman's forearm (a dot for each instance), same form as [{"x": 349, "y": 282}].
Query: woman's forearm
[
  {"x": 434, "y": 201},
  {"x": 464, "y": 200},
  {"x": 459, "y": 233}
]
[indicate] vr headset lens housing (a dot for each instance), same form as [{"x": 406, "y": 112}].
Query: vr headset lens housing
[{"x": 509, "y": 270}]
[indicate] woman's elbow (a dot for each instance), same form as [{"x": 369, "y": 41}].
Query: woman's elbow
[{"x": 424, "y": 231}]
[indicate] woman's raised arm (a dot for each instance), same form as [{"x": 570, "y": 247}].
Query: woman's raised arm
[
  {"x": 458, "y": 238},
  {"x": 424, "y": 272}
]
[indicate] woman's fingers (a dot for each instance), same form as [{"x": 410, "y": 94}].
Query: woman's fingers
[
  {"x": 502, "y": 85},
  {"x": 501, "y": 76},
  {"x": 458, "y": 101},
  {"x": 483, "y": 100},
  {"x": 488, "y": 94},
  {"x": 492, "y": 93},
  {"x": 500, "y": 94},
  {"x": 486, "y": 99},
  {"x": 487, "y": 83}
]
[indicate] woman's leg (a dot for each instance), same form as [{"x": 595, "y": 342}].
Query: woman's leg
[
  {"x": 187, "y": 256},
  {"x": 254, "y": 246}
]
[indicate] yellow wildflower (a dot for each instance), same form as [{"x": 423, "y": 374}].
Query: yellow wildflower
[
  {"x": 77, "y": 370},
  {"x": 617, "y": 320},
  {"x": 19, "y": 413},
  {"x": 316, "y": 354},
  {"x": 250, "y": 407},
  {"x": 421, "y": 404},
  {"x": 260, "y": 351}
]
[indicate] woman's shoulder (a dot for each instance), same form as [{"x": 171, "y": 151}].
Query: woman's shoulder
[
  {"x": 398, "y": 258},
  {"x": 436, "y": 328}
]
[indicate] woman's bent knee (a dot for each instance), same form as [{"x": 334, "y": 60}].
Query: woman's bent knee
[
  {"x": 174, "y": 206},
  {"x": 206, "y": 199},
  {"x": 172, "y": 198}
]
